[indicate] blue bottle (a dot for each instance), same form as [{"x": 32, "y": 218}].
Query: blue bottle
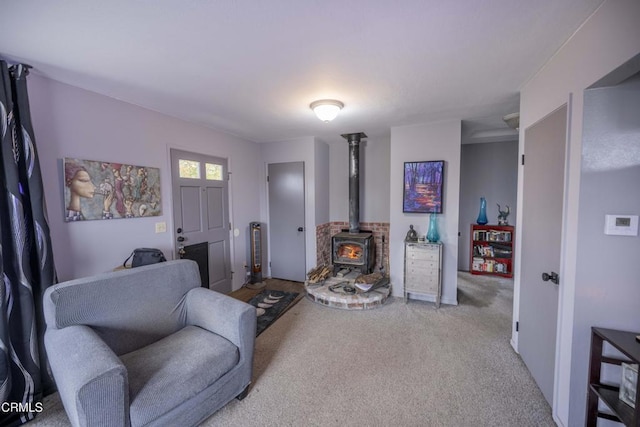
[
  {"x": 432, "y": 232},
  {"x": 482, "y": 216}
]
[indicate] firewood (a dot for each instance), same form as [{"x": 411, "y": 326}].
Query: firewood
[
  {"x": 369, "y": 278},
  {"x": 319, "y": 274}
]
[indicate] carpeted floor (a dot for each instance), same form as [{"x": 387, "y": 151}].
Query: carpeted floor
[
  {"x": 400, "y": 364},
  {"x": 404, "y": 365}
]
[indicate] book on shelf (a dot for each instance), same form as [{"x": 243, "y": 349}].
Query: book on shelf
[
  {"x": 502, "y": 253},
  {"x": 480, "y": 235},
  {"x": 477, "y": 264},
  {"x": 492, "y": 251},
  {"x": 492, "y": 235},
  {"x": 499, "y": 236},
  {"x": 489, "y": 266}
]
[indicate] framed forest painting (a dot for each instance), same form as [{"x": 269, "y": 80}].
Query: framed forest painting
[{"x": 422, "y": 187}]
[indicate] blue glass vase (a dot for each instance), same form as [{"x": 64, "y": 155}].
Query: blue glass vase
[
  {"x": 482, "y": 216},
  {"x": 432, "y": 233}
]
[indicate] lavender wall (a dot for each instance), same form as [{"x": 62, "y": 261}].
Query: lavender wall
[
  {"x": 433, "y": 141},
  {"x": 71, "y": 122},
  {"x": 374, "y": 179},
  {"x": 322, "y": 180},
  {"x": 608, "y": 267}
]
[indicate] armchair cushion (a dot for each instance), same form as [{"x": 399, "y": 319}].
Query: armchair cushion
[{"x": 174, "y": 369}]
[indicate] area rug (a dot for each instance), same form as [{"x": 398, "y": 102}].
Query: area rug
[{"x": 270, "y": 305}]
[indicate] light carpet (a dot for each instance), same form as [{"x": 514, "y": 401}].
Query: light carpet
[{"x": 400, "y": 364}]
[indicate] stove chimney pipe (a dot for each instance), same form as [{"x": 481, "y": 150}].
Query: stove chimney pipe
[{"x": 354, "y": 180}]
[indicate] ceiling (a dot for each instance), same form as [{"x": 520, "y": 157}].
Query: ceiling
[{"x": 251, "y": 68}]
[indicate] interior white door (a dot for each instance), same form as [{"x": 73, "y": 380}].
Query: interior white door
[
  {"x": 286, "y": 214},
  {"x": 201, "y": 215},
  {"x": 543, "y": 193}
]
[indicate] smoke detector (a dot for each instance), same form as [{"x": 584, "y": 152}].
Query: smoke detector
[{"x": 512, "y": 120}]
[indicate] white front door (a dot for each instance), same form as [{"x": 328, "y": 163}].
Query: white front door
[
  {"x": 201, "y": 215},
  {"x": 543, "y": 195},
  {"x": 286, "y": 214}
]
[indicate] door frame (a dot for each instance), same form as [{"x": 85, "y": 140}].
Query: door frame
[
  {"x": 172, "y": 220},
  {"x": 565, "y": 306},
  {"x": 306, "y": 211}
]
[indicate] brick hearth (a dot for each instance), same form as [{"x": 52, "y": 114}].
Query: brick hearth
[{"x": 325, "y": 231}]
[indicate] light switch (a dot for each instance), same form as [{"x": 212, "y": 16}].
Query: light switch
[{"x": 161, "y": 227}]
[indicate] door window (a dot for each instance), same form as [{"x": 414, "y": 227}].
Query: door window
[
  {"x": 189, "y": 169},
  {"x": 213, "y": 171}
]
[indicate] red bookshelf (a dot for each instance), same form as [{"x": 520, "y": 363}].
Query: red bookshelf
[{"x": 492, "y": 250}]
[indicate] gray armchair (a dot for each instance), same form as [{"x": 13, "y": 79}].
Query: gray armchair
[{"x": 147, "y": 346}]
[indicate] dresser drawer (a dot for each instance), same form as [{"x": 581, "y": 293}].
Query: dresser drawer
[
  {"x": 428, "y": 267},
  {"x": 419, "y": 275},
  {"x": 426, "y": 284},
  {"x": 426, "y": 253}
]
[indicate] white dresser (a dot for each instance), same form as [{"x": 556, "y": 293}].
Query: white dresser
[{"x": 423, "y": 270}]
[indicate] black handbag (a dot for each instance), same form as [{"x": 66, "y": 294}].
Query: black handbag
[{"x": 144, "y": 256}]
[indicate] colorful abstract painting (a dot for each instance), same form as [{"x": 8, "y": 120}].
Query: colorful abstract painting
[
  {"x": 422, "y": 192},
  {"x": 105, "y": 190}
]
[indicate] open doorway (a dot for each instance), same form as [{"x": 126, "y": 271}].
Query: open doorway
[{"x": 489, "y": 170}]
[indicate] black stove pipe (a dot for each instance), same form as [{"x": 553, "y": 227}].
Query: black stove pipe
[{"x": 354, "y": 180}]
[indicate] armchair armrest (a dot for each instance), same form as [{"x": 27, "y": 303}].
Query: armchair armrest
[
  {"x": 91, "y": 379},
  {"x": 222, "y": 315}
]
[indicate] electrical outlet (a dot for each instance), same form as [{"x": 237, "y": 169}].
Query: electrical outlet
[{"x": 161, "y": 227}]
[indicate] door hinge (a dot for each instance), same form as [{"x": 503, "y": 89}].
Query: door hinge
[
  {"x": 523, "y": 159},
  {"x": 229, "y": 226},
  {"x": 517, "y": 326},
  {"x": 267, "y": 178},
  {"x": 228, "y": 176}
]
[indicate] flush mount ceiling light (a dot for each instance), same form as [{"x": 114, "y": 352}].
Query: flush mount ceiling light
[
  {"x": 326, "y": 109},
  {"x": 512, "y": 120}
]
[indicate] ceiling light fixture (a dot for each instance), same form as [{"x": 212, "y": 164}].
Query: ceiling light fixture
[{"x": 326, "y": 109}]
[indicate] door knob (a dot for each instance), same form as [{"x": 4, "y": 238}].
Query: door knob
[
  {"x": 180, "y": 239},
  {"x": 300, "y": 229},
  {"x": 553, "y": 277}
]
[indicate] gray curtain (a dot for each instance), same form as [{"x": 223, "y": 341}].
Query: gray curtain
[{"x": 26, "y": 260}]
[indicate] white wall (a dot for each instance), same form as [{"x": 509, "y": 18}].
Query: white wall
[
  {"x": 71, "y": 122},
  {"x": 299, "y": 150},
  {"x": 609, "y": 38},
  {"x": 433, "y": 141},
  {"x": 374, "y": 180}
]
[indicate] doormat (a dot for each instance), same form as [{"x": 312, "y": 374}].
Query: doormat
[{"x": 270, "y": 305}]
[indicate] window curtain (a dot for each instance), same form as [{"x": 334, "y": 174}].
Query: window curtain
[{"x": 26, "y": 260}]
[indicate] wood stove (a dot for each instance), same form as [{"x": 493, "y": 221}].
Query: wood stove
[{"x": 353, "y": 249}]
